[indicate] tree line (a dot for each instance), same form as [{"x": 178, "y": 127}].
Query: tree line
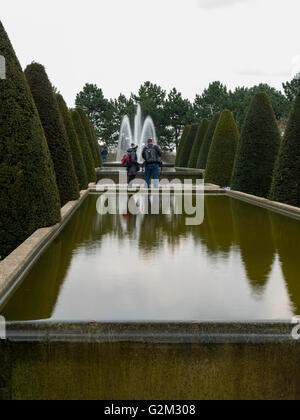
[{"x": 171, "y": 112}]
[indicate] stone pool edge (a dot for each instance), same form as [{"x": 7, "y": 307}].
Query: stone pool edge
[
  {"x": 273, "y": 332},
  {"x": 276, "y": 206},
  {"x": 15, "y": 265}
]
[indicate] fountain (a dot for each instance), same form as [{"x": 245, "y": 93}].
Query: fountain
[{"x": 142, "y": 132}]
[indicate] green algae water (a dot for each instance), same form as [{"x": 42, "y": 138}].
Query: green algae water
[{"x": 241, "y": 264}]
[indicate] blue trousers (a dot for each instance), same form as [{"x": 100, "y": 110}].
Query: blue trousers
[{"x": 152, "y": 171}]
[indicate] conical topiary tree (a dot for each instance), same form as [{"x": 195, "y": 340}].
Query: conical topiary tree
[
  {"x": 28, "y": 192},
  {"x": 55, "y": 131},
  {"x": 286, "y": 182},
  {"x": 181, "y": 143},
  {"x": 204, "y": 150},
  {"x": 89, "y": 134},
  {"x": 86, "y": 151},
  {"x": 201, "y": 132},
  {"x": 258, "y": 149},
  {"x": 74, "y": 144},
  {"x": 187, "y": 146},
  {"x": 97, "y": 146},
  {"x": 222, "y": 151}
]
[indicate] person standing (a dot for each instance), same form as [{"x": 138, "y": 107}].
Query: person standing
[
  {"x": 133, "y": 166},
  {"x": 152, "y": 157},
  {"x": 104, "y": 154}
]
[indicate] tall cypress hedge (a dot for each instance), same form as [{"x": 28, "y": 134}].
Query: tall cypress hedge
[
  {"x": 89, "y": 134},
  {"x": 55, "y": 131},
  {"x": 187, "y": 146},
  {"x": 28, "y": 192},
  {"x": 85, "y": 147},
  {"x": 222, "y": 151},
  {"x": 201, "y": 132},
  {"x": 286, "y": 182},
  {"x": 258, "y": 149},
  {"x": 97, "y": 146},
  {"x": 74, "y": 144},
  {"x": 181, "y": 143},
  {"x": 204, "y": 150}
]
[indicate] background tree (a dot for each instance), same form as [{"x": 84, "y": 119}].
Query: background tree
[
  {"x": 85, "y": 147},
  {"x": 55, "y": 131},
  {"x": 286, "y": 182},
  {"x": 201, "y": 132},
  {"x": 204, "y": 150},
  {"x": 291, "y": 88},
  {"x": 29, "y": 196},
  {"x": 241, "y": 99},
  {"x": 77, "y": 155},
  {"x": 187, "y": 146},
  {"x": 152, "y": 99},
  {"x": 213, "y": 99},
  {"x": 178, "y": 111},
  {"x": 222, "y": 151},
  {"x": 100, "y": 112},
  {"x": 258, "y": 149}
]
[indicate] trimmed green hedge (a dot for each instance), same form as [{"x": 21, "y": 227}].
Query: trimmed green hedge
[
  {"x": 74, "y": 143},
  {"x": 90, "y": 135},
  {"x": 187, "y": 146},
  {"x": 55, "y": 131},
  {"x": 222, "y": 151},
  {"x": 203, "y": 154},
  {"x": 181, "y": 143},
  {"x": 97, "y": 146},
  {"x": 258, "y": 149},
  {"x": 201, "y": 132},
  {"x": 286, "y": 182},
  {"x": 85, "y": 147},
  {"x": 29, "y": 196}
]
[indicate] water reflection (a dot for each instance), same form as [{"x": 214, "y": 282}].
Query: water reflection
[
  {"x": 287, "y": 238},
  {"x": 253, "y": 235},
  {"x": 154, "y": 267}
]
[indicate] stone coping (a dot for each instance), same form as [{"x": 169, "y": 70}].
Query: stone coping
[
  {"x": 268, "y": 204},
  {"x": 179, "y": 169},
  {"x": 16, "y": 265},
  {"x": 153, "y": 332}
]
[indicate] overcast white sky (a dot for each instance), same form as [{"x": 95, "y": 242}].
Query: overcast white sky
[{"x": 119, "y": 44}]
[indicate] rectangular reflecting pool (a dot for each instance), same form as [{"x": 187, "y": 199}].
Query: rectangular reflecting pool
[{"x": 241, "y": 264}]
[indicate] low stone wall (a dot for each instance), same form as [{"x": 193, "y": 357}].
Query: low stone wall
[
  {"x": 15, "y": 265},
  {"x": 149, "y": 371}
]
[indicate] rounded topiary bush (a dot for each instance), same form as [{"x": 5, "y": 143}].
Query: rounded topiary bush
[
  {"x": 90, "y": 136},
  {"x": 85, "y": 147},
  {"x": 258, "y": 149},
  {"x": 222, "y": 151},
  {"x": 74, "y": 144},
  {"x": 28, "y": 192},
  {"x": 55, "y": 132},
  {"x": 204, "y": 150},
  {"x": 187, "y": 146},
  {"x": 181, "y": 143},
  {"x": 286, "y": 182},
  {"x": 201, "y": 132}
]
